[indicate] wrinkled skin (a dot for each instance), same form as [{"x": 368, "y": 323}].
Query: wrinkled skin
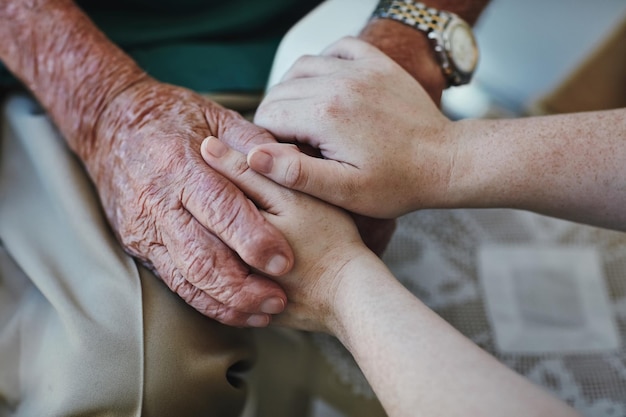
[
  {"x": 173, "y": 212},
  {"x": 190, "y": 225},
  {"x": 325, "y": 240}
]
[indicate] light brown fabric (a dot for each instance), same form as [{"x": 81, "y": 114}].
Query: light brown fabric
[{"x": 84, "y": 330}]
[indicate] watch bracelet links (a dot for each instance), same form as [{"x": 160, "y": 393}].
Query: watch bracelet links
[{"x": 415, "y": 14}]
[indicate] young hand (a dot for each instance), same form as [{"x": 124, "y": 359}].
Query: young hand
[{"x": 387, "y": 148}]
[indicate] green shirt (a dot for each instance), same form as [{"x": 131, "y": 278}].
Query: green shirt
[{"x": 205, "y": 45}]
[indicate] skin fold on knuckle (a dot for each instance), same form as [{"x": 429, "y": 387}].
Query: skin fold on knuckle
[
  {"x": 301, "y": 64},
  {"x": 261, "y": 243},
  {"x": 213, "y": 274},
  {"x": 294, "y": 176},
  {"x": 270, "y": 114},
  {"x": 237, "y": 222},
  {"x": 208, "y": 306},
  {"x": 225, "y": 222}
]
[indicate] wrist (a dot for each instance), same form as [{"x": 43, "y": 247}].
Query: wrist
[
  {"x": 366, "y": 284},
  {"x": 482, "y": 164},
  {"x": 411, "y": 49},
  {"x": 430, "y": 170}
]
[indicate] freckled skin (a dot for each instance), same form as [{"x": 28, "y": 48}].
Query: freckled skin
[{"x": 383, "y": 139}]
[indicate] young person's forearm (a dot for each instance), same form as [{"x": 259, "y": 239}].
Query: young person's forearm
[
  {"x": 417, "y": 363},
  {"x": 569, "y": 166},
  {"x": 68, "y": 64}
]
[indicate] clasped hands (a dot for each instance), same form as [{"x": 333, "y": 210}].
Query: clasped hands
[
  {"x": 229, "y": 241},
  {"x": 327, "y": 102}
]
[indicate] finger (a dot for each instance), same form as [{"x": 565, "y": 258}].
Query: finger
[
  {"x": 297, "y": 88},
  {"x": 232, "y": 164},
  {"x": 290, "y": 120},
  {"x": 351, "y": 48},
  {"x": 303, "y": 120},
  {"x": 308, "y": 66},
  {"x": 200, "y": 300},
  {"x": 209, "y": 265},
  {"x": 218, "y": 311},
  {"x": 325, "y": 179},
  {"x": 224, "y": 210}
]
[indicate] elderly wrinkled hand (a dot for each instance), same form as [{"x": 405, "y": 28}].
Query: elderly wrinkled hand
[{"x": 179, "y": 216}]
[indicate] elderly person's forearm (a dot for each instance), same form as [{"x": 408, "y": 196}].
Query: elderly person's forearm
[{"x": 68, "y": 64}]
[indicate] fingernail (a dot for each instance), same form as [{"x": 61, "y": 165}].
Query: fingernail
[
  {"x": 273, "y": 306},
  {"x": 261, "y": 162},
  {"x": 277, "y": 265},
  {"x": 258, "y": 320},
  {"x": 215, "y": 147}
]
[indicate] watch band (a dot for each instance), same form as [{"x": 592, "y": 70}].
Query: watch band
[
  {"x": 413, "y": 14},
  {"x": 442, "y": 28}
]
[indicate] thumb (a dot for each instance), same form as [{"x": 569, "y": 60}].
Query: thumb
[{"x": 328, "y": 180}]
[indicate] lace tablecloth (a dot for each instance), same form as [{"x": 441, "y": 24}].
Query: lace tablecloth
[{"x": 435, "y": 254}]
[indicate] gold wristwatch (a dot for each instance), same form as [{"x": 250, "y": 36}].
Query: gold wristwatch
[{"x": 452, "y": 38}]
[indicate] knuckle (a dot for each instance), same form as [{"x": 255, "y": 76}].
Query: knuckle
[
  {"x": 216, "y": 288},
  {"x": 224, "y": 221},
  {"x": 225, "y": 295},
  {"x": 226, "y": 315},
  {"x": 218, "y": 278},
  {"x": 262, "y": 113},
  {"x": 260, "y": 243},
  {"x": 199, "y": 269},
  {"x": 295, "y": 176},
  {"x": 177, "y": 284},
  {"x": 269, "y": 113},
  {"x": 216, "y": 311},
  {"x": 239, "y": 166},
  {"x": 221, "y": 195},
  {"x": 137, "y": 234},
  {"x": 303, "y": 61}
]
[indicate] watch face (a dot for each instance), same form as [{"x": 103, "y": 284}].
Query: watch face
[{"x": 462, "y": 48}]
